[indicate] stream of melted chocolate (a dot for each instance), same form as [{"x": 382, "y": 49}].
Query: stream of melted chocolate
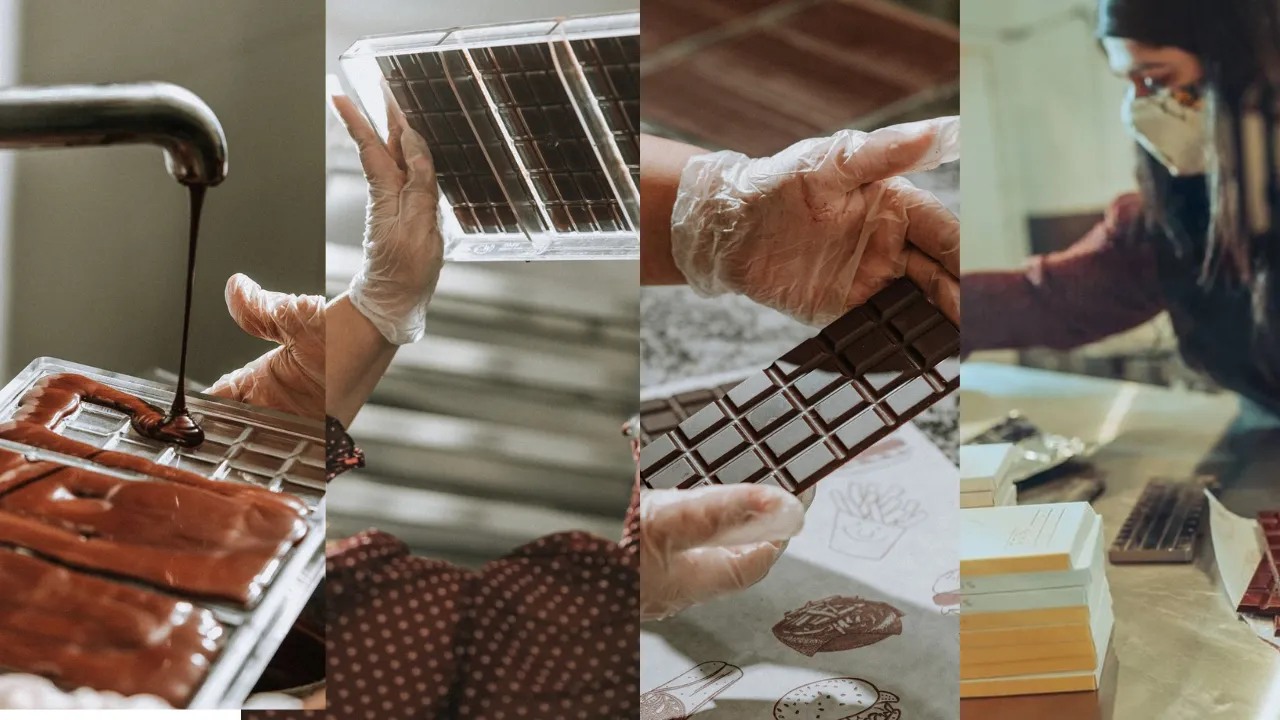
[{"x": 178, "y": 426}]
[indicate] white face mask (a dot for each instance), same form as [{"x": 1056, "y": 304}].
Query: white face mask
[{"x": 1172, "y": 132}]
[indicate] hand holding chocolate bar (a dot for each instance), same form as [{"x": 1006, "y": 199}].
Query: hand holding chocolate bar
[
  {"x": 822, "y": 226},
  {"x": 703, "y": 543}
]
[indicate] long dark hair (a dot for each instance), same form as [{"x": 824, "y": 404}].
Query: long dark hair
[{"x": 1238, "y": 45}]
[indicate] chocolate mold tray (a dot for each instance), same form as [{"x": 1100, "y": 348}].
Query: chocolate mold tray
[
  {"x": 243, "y": 444},
  {"x": 533, "y": 127}
]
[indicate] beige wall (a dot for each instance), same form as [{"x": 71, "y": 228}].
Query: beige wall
[{"x": 98, "y": 235}]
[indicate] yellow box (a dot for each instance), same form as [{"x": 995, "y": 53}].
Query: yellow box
[
  {"x": 1003, "y": 687},
  {"x": 1075, "y": 615},
  {"x": 1038, "y": 635},
  {"x": 980, "y": 656},
  {"x": 1044, "y": 666}
]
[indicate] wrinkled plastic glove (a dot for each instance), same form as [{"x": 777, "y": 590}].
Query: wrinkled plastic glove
[
  {"x": 30, "y": 692},
  {"x": 289, "y": 378},
  {"x": 697, "y": 545},
  {"x": 403, "y": 246},
  {"x": 823, "y": 225}
]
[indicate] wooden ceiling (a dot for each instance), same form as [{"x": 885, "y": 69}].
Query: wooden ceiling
[{"x": 758, "y": 75}]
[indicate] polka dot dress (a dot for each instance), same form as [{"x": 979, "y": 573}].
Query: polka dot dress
[{"x": 549, "y": 631}]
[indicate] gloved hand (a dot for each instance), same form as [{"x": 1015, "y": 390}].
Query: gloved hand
[
  {"x": 289, "y": 378},
  {"x": 30, "y": 692},
  {"x": 823, "y": 225},
  {"x": 696, "y": 545},
  {"x": 403, "y": 247}
]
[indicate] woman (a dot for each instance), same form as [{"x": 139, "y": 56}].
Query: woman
[{"x": 1179, "y": 245}]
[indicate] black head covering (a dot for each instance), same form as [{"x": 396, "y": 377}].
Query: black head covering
[{"x": 1154, "y": 22}]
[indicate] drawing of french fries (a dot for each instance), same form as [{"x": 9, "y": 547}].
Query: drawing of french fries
[{"x": 871, "y": 518}]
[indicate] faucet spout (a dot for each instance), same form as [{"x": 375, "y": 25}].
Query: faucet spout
[{"x": 171, "y": 117}]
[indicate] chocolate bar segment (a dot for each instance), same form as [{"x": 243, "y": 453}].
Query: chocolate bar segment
[
  {"x": 1163, "y": 527},
  {"x": 1261, "y": 597},
  {"x": 1269, "y": 521},
  {"x": 659, "y": 417},
  {"x": 815, "y": 408}
]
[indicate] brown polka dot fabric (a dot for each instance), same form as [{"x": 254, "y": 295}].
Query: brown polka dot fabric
[
  {"x": 549, "y": 631},
  {"x": 341, "y": 453}
]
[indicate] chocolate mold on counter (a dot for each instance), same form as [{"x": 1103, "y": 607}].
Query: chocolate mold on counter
[
  {"x": 269, "y": 461},
  {"x": 817, "y": 407}
]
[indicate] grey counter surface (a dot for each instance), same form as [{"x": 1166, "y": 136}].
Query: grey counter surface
[{"x": 684, "y": 336}]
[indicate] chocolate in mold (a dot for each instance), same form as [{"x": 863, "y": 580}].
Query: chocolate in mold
[
  {"x": 612, "y": 69},
  {"x": 83, "y": 631},
  {"x": 178, "y": 537},
  {"x": 55, "y": 397},
  {"x": 46, "y": 439},
  {"x": 819, "y": 405},
  {"x": 432, "y": 100}
]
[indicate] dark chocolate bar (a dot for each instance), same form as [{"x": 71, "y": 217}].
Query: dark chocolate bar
[
  {"x": 1164, "y": 526},
  {"x": 816, "y": 407},
  {"x": 1261, "y": 597},
  {"x": 1269, "y": 521},
  {"x": 661, "y": 416}
]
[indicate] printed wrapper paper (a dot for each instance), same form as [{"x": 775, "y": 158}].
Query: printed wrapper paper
[
  {"x": 882, "y": 531},
  {"x": 1237, "y": 547}
]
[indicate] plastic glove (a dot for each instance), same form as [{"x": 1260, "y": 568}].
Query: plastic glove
[
  {"x": 30, "y": 692},
  {"x": 289, "y": 378},
  {"x": 403, "y": 247},
  {"x": 823, "y": 225},
  {"x": 696, "y": 545}
]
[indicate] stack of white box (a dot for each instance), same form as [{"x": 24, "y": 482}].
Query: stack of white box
[
  {"x": 985, "y": 480},
  {"x": 1036, "y": 611}
]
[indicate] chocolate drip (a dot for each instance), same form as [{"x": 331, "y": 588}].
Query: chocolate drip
[
  {"x": 57, "y": 396},
  {"x": 83, "y": 631},
  {"x": 178, "y": 426}
]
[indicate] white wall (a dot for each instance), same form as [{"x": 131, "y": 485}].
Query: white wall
[
  {"x": 99, "y": 243},
  {"x": 1042, "y": 122}
]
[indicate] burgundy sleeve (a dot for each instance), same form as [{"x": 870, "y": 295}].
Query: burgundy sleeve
[
  {"x": 341, "y": 453},
  {"x": 1103, "y": 284}
]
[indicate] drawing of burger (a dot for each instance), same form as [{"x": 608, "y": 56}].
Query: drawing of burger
[
  {"x": 946, "y": 593},
  {"x": 837, "y": 623},
  {"x": 837, "y": 699}
]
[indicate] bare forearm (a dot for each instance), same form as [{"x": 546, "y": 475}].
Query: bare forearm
[
  {"x": 661, "y": 164},
  {"x": 356, "y": 357}
]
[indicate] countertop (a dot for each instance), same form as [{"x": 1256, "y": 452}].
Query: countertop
[
  {"x": 1178, "y": 650},
  {"x": 684, "y": 336}
]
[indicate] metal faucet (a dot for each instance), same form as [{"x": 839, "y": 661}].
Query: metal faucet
[{"x": 162, "y": 114}]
